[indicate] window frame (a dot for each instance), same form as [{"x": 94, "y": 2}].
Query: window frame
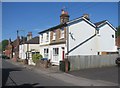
[
  {"x": 54, "y": 35},
  {"x": 62, "y": 33},
  {"x": 47, "y": 36},
  {"x": 55, "y": 51},
  {"x": 46, "y": 51},
  {"x": 41, "y": 38}
]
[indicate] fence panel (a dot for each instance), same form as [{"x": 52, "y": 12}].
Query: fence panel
[{"x": 94, "y": 61}]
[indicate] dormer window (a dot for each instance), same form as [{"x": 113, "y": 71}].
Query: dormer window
[{"x": 54, "y": 35}]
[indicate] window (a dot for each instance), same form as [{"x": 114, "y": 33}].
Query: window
[
  {"x": 46, "y": 53},
  {"x": 54, "y": 35},
  {"x": 112, "y": 36},
  {"x": 41, "y": 38},
  {"x": 62, "y": 33},
  {"x": 98, "y": 33},
  {"x": 47, "y": 36},
  {"x": 55, "y": 51}
]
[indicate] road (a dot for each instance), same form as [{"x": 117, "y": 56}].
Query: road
[
  {"x": 13, "y": 75},
  {"x": 109, "y": 74}
]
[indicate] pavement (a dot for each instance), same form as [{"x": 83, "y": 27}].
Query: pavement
[{"x": 66, "y": 77}]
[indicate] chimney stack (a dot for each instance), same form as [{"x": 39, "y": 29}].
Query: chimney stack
[
  {"x": 29, "y": 36},
  {"x": 64, "y": 17},
  {"x": 86, "y": 16}
]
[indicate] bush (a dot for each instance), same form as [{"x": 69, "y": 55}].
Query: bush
[
  {"x": 5, "y": 57},
  {"x": 36, "y": 57}
]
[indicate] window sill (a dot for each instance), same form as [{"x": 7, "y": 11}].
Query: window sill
[
  {"x": 61, "y": 38},
  {"x": 53, "y": 39}
]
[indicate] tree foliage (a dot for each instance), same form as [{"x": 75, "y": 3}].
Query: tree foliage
[
  {"x": 118, "y": 31},
  {"x": 4, "y": 44},
  {"x": 36, "y": 57}
]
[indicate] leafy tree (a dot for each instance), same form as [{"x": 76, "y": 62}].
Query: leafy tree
[
  {"x": 118, "y": 31},
  {"x": 4, "y": 44}
]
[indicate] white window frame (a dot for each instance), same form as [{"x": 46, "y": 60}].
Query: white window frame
[
  {"x": 47, "y": 36},
  {"x": 54, "y": 35},
  {"x": 55, "y": 51},
  {"x": 62, "y": 34},
  {"x": 41, "y": 38},
  {"x": 46, "y": 51}
]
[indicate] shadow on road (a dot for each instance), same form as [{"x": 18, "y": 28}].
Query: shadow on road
[
  {"x": 6, "y": 75},
  {"x": 24, "y": 86}
]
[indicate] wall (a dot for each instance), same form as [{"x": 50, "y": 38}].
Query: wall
[
  {"x": 58, "y": 36},
  {"x": 54, "y": 60},
  {"x": 118, "y": 41},
  {"x": 80, "y": 32},
  {"x": 105, "y": 40},
  {"x": 95, "y": 61},
  {"x": 45, "y": 41},
  {"x": 27, "y": 47}
]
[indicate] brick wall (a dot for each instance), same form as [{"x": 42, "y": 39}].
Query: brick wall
[
  {"x": 118, "y": 41},
  {"x": 58, "y": 35}
]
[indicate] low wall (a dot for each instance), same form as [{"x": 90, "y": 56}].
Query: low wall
[{"x": 95, "y": 61}]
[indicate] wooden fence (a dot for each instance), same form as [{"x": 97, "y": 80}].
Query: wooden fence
[{"x": 95, "y": 61}]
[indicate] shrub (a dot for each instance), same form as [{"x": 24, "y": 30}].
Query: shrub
[{"x": 36, "y": 57}]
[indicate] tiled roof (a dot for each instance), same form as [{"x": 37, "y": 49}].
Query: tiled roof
[
  {"x": 34, "y": 40},
  {"x": 52, "y": 28},
  {"x": 98, "y": 23}
]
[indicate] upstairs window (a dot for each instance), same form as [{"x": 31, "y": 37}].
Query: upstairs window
[
  {"x": 62, "y": 33},
  {"x": 54, "y": 35},
  {"x": 47, "y": 36},
  {"x": 41, "y": 38}
]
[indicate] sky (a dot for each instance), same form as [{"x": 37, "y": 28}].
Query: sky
[{"x": 38, "y": 16}]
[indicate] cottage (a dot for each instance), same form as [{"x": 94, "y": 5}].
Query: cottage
[
  {"x": 81, "y": 37},
  {"x": 77, "y": 37},
  {"x": 29, "y": 47},
  {"x": 106, "y": 38},
  {"x": 53, "y": 40}
]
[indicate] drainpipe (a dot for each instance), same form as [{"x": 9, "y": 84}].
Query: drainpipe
[
  {"x": 66, "y": 60},
  {"x": 67, "y": 34}
]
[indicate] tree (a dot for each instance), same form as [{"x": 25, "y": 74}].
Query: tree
[
  {"x": 4, "y": 44},
  {"x": 118, "y": 31}
]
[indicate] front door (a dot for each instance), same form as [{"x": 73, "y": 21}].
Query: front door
[{"x": 55, "y": 57}]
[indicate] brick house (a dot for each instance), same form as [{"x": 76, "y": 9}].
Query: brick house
[
  {"x": 53, "y": 40},
  {"x": 9, "y": 49}
]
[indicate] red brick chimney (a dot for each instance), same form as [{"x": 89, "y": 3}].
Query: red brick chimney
[{"x": 64, "y": 17}]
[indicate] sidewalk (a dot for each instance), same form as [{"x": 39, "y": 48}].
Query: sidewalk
[{"x": 55, "y": 73}]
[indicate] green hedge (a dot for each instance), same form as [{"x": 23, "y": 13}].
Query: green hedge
[{"x": 36, "y": 57}]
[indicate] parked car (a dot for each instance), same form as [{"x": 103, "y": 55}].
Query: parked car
[
  {"x": 4, "y": 57},
  {"x": 117, "y": 61}
]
